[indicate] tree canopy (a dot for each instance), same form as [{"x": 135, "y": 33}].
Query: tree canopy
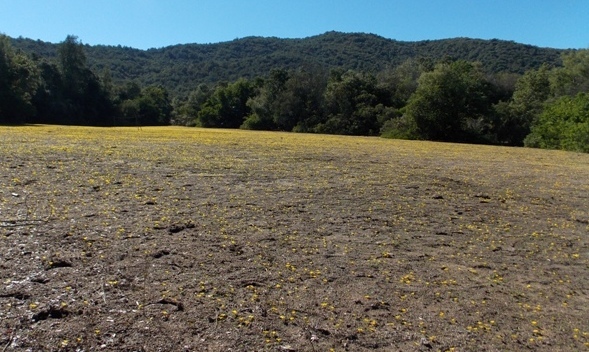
[
  {"x": 19, "y": 80},
  {"x": 333, "y": 83},
  {"x": 181, "y": 68},
  {"x": 563, "y": 124},
  {"x": 451, "y": 103}
]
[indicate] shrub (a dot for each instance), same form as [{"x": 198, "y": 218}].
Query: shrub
[{"x": 564, "y": 124}]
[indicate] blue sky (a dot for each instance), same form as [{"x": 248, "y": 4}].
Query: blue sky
[{"x": 157, "y": 23}]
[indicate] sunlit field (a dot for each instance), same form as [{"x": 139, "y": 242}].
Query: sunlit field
[{"x": 173, "y": 239}]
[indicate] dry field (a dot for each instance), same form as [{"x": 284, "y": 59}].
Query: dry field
[{"x": 185, "y": 239}]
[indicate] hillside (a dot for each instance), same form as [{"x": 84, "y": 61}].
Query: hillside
[{"x": 180, "y": 68}]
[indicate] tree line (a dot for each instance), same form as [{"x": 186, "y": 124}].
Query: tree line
[
  {"x": 448, "y": 100},
  {"x": 443, "y": 100},
  {"x": 181, "y": 68},
  {"x": 65, "y": 91}
]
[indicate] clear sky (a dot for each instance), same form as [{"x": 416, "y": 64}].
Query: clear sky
[{"x": 147, "y": 24}]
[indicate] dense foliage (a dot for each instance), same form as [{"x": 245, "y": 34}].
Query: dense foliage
[
  {"x": 459, "y": 90},
  {"x": 64, "y": 90},
  {"x": 564, "y": 124},
  {"x": 451, "y": 103},
  {"x": 19, "y": 80},
  {"x": 181, "y": 68}
]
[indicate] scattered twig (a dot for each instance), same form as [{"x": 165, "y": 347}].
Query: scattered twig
[
  {"x": 10, "y": 339},
  {"x": 312, "y": 346},
  {"x": 103, "y": 293},
  {"x": 217, "y": 319},
  {"x": 20, "y": 223},
  {"x": 26, "y": 207},
  {"x": 178, "y": 305}
]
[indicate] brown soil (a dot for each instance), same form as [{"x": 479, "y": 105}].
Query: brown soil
[{"x": 203, "y": 240}]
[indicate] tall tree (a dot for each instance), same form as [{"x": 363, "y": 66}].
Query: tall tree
[
  {"x": 186, "y": 112},
  {"x": 401, "y": 81},
  {"x": 154, "y": 106},
  {"x": 304, "y": 97},
  {"x": 450, "y": 103},
  {"x": 353, "y": 104},
  {"x": 19, "y": 80},
  {"x": 289, "y": 101},
  {"x": 514, "y": 120},
  {"x": 265, "y": 105},
  {"x": 49, "y": 100},
  {"x": 531, "y": 91},
  {"x": 227, "y": 106},
  {"x": 573, "y": 76},
  {"x": 72, "y": 62},
  {"x": 85, "y": 99}
]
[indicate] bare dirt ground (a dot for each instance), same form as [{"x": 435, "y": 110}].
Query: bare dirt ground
[{"x": 177, "y": 239}]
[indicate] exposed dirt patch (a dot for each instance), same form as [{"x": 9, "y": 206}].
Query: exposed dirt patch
[{"x": 201, "y": 240}]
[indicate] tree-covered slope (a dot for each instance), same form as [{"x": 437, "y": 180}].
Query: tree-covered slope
[{"x": 180, "y": 68}]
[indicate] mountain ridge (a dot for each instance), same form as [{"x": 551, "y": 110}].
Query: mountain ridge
[{"x": 182, "y": 67}]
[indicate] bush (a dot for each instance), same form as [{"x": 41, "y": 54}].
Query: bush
[
  {"x": 399, "y": 128},
  {"x": 564, "y": 124},
  {"x": 255, "y": 122}
]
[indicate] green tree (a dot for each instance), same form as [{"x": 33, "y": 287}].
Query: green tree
[
  {"x": 564, "y": 124},
  {"x": 186, "y": 112},
  {"x": 154, "y": 106},
  {"x": 531, "y": 91},
  {"x": 86, "y": 101},
  {"x": 19, "y": 80},
  {"x": 401, "y": 81},
  {"x": 129, "y": 113},
  {"x": 289, "y": 101},
  {"x": 573, "y": 76},
  {"x": 227, "y": 107},
  {"x": 126, "y": 101},
  {"x": 128, "y": 91},
  {"x": 514, "y": 120},
  {"x": 303, "y": 100},
  {"x": 72, "y": 65},
  {"x": 265, "y": 106},
  {"x": 450, "y": 104},
  {"x": 48, "y": 100},
  {"x": 502, "y": 86},
  {"x": 107, "y": 84},
  {"x": 353, "y": 104}
]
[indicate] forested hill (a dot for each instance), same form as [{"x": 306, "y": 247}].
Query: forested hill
[{"x": 180, "y": 68}]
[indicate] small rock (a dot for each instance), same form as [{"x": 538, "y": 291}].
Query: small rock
[
  {"x": 176, "y": 228},
  {"x": 161, "y": 253},
  {"x": 425, "y": 342}
]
